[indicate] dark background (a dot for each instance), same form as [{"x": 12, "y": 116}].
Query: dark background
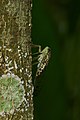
[{"x": 56, "y": 24}]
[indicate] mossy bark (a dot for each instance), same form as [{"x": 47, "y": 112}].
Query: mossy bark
[{"x": 15, "y": 50}]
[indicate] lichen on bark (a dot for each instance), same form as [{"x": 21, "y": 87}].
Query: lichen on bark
[{"x": 15, "y": 52}]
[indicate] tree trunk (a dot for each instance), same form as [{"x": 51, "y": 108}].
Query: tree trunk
[{"x": 15, "y": 60}]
